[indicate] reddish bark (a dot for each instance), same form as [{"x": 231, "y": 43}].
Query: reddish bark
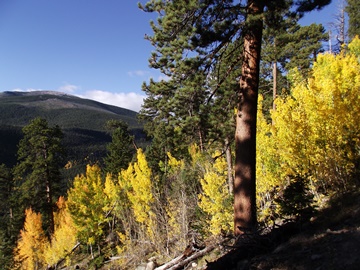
[{"x": 245, "y": 134}]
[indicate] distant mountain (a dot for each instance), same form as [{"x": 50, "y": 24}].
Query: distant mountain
[{"x": 81, "y": 120}]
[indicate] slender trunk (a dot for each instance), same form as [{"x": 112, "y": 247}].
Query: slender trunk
[
  {"x": 49, "y": 207},
  {"x": 201, "y": 141},
  {"x": 274, "y": 83},
  {"x": 245, "y": 134},
  {"x": 91, "y": 252},
  {"x": 229, "y": 166}
]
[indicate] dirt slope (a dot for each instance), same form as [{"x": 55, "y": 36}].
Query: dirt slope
[{"x": 330, "y": 241}]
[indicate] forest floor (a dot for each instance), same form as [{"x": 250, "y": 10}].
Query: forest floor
[{"x": 330, "y": 241}]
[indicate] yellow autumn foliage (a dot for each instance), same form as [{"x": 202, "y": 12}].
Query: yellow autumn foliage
[
  {"x": 317, "y": 128},
  {"x": 87, "y": 205},
  {"x": 215, "y": 199},
  {"x": 176, "y": 207},
  {"x": 354, "y": 47},
  {"x": 64, "y": 238},
  {"x": 29, "y": 253},
  {"x": 138, "y": 177},
  {"x": 267, "y": 159},
  {"x": 315, "y": 131},
  {"x": 111, "y": 191},
  {"x": 136, "y": 182}
]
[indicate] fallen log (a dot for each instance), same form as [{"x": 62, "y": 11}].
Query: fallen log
[
  {"x": 186, "y": 257},
  {"x": 170, "y": 263},
  {"x": 62, "y": 259},
  {"x": 196, "y": 255}
]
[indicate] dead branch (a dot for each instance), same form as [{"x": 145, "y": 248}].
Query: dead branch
[
  {"x": 171, "y": 263},
  {"x": 183, "y": 259},
  {"x": 193, "y": 257}
]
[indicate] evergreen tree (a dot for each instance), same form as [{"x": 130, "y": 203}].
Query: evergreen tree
[
  {"x": 275, "y": 36},
  {"x": 353, "y": 11},
  {"x": 287, "y": 45},
  {"x": 303, "y": 47},
  {"x": 37, "y": 173},
  {"x": 120, "y": 150},
  {"x": 190, "y": 38},
  {"x": 6, "y": 241}
]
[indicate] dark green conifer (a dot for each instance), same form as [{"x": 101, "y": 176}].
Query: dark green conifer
[
  {"x": 353, "y": 11},
  {"x": 286, "y": 45},
  {"x": 37, "y": 173},
  {"x": 191, "y": 38},
  {"x": 6, "y": 239},
  {"x": 120, "y": 149}
]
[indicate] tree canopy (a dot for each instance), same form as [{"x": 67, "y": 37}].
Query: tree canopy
[
  {"x": 192, "y": 39},
  {"x": 353, "y": 10},
  {"x": 37, "y": 173}
]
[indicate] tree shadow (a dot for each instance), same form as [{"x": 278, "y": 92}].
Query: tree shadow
[{"x": 330, "y": 241}]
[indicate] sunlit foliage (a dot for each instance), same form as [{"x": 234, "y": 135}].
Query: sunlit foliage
[
  {"x": 315, "y": 131},
  {"x": 138, "y": 176},
  {"x": 86, "y": 205},
  {"x": 215, "y": 199},
  {"x": 317, "y": 128},
  {"x": 177, "y": 204},
  {"x": 29, "y": 253},
  {"x": 138, "y": 218},
  {"x": 64, "y": 238}
]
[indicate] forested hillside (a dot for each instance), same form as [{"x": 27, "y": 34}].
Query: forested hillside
[
  {"x": 254, "y": 159},
  {"x": 82, "y": 121}
]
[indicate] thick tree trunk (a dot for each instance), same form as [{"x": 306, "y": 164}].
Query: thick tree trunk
[{"x": 245, "y": 134}]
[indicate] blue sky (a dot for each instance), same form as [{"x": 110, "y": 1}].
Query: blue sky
[{"x": 90, "y": 48}]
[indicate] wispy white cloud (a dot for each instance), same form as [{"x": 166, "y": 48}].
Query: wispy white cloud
[
  {"x": 131, "y": 101},
  {"x": 138, "y": 73},
  {"x": 25, "y": 90},
  {"x": 68, "y": 88}
]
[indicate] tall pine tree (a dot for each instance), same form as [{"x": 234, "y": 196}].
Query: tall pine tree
[
  {"x": 37, "y": 173},
  {"x": 120, "y": 149},
  {"x": 353, "y": 11},
  {"x": 190, "y": 38},
  {"x": 6, "y": 239}
]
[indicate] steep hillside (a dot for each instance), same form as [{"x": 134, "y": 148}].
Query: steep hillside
[
  {"x": 330, "y": 241},
  {"x": 81, "y": 120}
]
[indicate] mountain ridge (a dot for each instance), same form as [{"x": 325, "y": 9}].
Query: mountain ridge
[
  {"x": 81, "y": 120},
  {"x": 60, "y": 100}
]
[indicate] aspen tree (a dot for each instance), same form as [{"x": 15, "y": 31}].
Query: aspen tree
[
  {"x": 215, "y": 199},
  {"x": 317, "y": 127},
  {"x": 177, "y": 226},
  {"x": 64, "y": 238},
  {"x": 86, "y": 205},
  {"x": 29, "y": 253},
  {"x": 139, "y": 192}
]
